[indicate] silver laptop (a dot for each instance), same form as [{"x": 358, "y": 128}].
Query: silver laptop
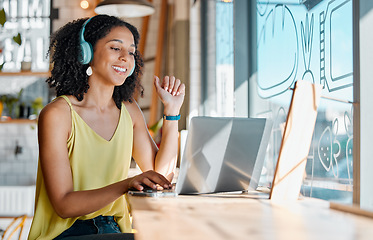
[
  {"x": 222, "y": 154},
  {"x": 227, "y": 154}
]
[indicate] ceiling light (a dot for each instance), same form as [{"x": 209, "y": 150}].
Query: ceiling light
[
  {"x": 84, "y": 4},
  {"x": 125, "y": 8}
]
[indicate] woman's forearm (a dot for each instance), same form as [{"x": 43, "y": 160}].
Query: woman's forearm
[
  {"x": 166, "y": 158},
  {"x": 80, "y": 203},
  {"x": 171, "y": 92}
]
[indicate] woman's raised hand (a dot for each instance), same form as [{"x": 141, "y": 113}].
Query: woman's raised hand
[{"x": 171, "y": 91}]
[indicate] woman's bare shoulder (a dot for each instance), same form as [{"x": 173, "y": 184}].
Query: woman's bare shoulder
[
  {"x": 57, "y": 110},
  {"x": 134, "y": 110},
  {"x": 133, "y": 107}
]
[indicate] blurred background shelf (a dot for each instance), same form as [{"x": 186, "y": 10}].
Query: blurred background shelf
[
  {"x": 18, "y": 121},
  {"x": 28, "y": 73}
]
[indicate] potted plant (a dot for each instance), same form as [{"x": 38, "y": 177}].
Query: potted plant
[
  {"x": 37, "y": 105},
  {"x": 10, "y": 102}
]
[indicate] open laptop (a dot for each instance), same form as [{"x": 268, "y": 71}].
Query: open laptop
[
  {"x": 214, "y": 173},
  {"x": 222, "y": 154}
]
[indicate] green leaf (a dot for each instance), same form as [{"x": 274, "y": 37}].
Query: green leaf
[
  {"x": 18, "y": 39},
  {"x": 19, "y": 94},
  {"x": 2, "y": 17},
  {"x": 156, "y": 126},
  {"x": 1, "y": 66}
]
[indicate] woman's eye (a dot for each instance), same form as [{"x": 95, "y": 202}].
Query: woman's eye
[
  {"x": 115, "y": 49},
  {"x": 132, "y": 53}
]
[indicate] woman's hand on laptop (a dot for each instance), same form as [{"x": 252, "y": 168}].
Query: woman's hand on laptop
[{"x": 150, "y": 179}]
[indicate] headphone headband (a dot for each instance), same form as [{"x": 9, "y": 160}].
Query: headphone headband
[
  {"x": 86, "y": 50},
  {"x": 83, "y": 29}
]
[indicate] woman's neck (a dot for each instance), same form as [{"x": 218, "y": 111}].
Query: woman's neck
[{"x": 100, "y": 97}]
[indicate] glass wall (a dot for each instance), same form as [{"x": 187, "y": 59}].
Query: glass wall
[
  {"x": 281, "y": 42},
  {"x": 310, "y": 40}
]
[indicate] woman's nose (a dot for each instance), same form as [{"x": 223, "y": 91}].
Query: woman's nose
[{"x": 124, "y": 56}]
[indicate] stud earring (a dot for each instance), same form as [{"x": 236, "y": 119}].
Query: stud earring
[{"x": 89, "y": 71}]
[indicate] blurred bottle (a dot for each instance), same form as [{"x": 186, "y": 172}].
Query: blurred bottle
[{"x": 27, "y": 56}]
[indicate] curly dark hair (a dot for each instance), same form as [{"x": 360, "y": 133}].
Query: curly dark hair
[{"x": 68, "y": 75}]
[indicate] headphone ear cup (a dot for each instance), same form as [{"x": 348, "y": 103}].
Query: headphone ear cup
[
  {"x": 133, "y": 69},
  {"x": 86, "y": 54}
]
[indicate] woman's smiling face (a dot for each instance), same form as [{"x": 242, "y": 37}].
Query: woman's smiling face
[{"x": 113, "y": 57}]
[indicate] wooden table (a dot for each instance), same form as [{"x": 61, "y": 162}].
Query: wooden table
[{"x": 243, "y": 216}]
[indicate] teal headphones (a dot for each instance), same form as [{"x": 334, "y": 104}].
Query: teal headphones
[{"x": 86, "y": 49}]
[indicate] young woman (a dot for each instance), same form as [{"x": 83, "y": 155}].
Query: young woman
[{"x": 89, "y": 133}]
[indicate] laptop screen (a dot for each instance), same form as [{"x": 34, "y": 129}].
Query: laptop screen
[{"x": 223, "y": 154}]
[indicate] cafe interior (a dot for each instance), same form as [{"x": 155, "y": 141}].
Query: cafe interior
[{"x": 227, "y": 53}]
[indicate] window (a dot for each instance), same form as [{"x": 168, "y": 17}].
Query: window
[
  {"x": 313, "y": 41},
  {"x": 218, "y": 60},
  {"x": 276, "y": 43}
]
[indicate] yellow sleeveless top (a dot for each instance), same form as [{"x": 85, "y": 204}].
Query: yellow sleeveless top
[{"x": 95, "y": 163}]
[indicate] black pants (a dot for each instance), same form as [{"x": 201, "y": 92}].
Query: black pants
[
  {"x": 107, "y": 236},
  {"x": 101, "y": 227}
]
